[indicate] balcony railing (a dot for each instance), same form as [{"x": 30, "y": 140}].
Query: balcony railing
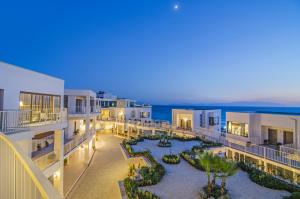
[
  {"x": 20, "y": 178},
  {"x": 47, "y": 160},
  {"x": 77, "y": 110},
  {"x": 16, "y": 120},
  {"x": 76, "y": 141}
]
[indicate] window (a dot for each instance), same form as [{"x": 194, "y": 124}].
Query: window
[
  {"x": 237, "y": 128},
  {"x": 145, "y": 114},
  {"x": 39, "y": 102},
  {"x": 66, "y": 101},
  {"x": 213, "y": 121}
]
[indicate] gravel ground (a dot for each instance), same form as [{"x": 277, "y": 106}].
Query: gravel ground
[{"x": 183, "y": 181}]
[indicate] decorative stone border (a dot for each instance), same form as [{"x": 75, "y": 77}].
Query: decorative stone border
[{"x": 122, "y": 189}]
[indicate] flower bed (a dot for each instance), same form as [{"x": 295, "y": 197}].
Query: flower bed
[
  {"x": 189, "y": 157},
  {"x": 164, "y": 143},
  {"x": 171, "y": 159},
  {"x": 132, "y": 191},
  {"x": 267, "y": 180},
  {"x": 186, "y": 139},
  {"x": 152, "y": 137},
  {"x": 215, "y": 193},
  {"x": 150, "y": 175}
]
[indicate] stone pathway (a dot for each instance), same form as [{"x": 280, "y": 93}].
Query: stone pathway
[{"x": 107, "y": 168}]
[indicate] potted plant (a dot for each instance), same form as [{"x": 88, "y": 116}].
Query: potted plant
[{"x": 248, "y": 143}]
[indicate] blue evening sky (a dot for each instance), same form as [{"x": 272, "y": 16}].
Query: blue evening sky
[{"x": 207, "y": 51}]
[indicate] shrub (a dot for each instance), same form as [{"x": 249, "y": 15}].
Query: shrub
[
  {"x": 132, "y": 191},
  {"x": 267, "y": 180},
  {"x": 189, "y": 157},
  {"x": 295, "y": 195},
  {"x": 163, "y": 143},
  {"x": 185, "y": 139},
  {"x": 171, "y": 159},
  {"x": 152, "y": 137}
]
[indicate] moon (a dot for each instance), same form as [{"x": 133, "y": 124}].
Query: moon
[{"x": 176, "y": 7}]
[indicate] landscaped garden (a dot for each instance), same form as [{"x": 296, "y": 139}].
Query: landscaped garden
[{"x": 189, "y": 178}]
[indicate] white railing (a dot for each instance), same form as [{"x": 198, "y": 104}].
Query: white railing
[
  {"x": 16, "y": 120},
  {"x": 20, "y": 178},
  {"x": 290, "y": 148},
  {"x": 286, "y": 158},
  {"x": 76, "y": 141},
  {"x": 268, "y": 153},
  {"x": 77, "y": 110},
  {"x": 46, "y": 160}
]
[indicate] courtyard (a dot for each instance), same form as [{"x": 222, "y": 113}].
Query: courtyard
[
  {"x": 184, "y": 181},
  {"x": 109, "y": 166}
]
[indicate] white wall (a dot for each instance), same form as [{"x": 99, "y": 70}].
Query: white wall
[{"x": 14, "y": 79}]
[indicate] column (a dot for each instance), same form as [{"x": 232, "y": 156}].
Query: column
[
  {"x": 58, "y": 177},
  {"x": 87, "y": 125},
  {"x": 153, "y": 131}
]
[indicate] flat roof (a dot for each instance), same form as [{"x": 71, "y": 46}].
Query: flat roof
[
  {"x": 266, "y": 112},
  {"x": 80, "y": 92}
]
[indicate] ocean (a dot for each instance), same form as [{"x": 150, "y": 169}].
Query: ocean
[{"x": 161, "y": 112}]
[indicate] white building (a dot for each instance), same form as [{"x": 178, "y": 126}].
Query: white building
[
  {"x": 206, "y": 122},
  {"x": 83, "y": 109},
  {"x": 263, "y": 128},
  {"x": 32, "y": 115},
  {"x": 269, "y": 141}
]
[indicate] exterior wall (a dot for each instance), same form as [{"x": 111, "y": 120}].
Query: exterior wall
[
  {"x": 194, "y": 116},
  {"x": 259, "y": 123},
  {"x": 15, "y": 79}
]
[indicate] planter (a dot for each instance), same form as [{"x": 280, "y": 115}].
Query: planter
[
  {"x": 171, "y": 159},
  {"x": 164, "y": 144}
]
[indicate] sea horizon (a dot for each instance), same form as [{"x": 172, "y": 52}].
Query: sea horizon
[{"x": 164, "y": 112}]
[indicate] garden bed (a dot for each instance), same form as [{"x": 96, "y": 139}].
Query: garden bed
[
  {"x": 171, "y": 159},
  {"x": 150, "y": 175},
  {"x": 189, "y": 157},
  {"x": 164, "y": 144},
  {"x": 267, "y": 180}
]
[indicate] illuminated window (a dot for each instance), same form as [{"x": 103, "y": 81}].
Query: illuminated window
[{"x": 237, "y": 128}]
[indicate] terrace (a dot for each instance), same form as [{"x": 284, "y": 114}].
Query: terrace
[{"x": 12, "y": 121}]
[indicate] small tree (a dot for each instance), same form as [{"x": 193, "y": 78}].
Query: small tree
[
  {"x": 227, "y": 168},
  {"x": 216, "y": 166},
  {"x": 206, "y": 161}
]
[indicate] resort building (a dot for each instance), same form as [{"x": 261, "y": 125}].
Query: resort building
[
  {"x": 263, "y": 128},
  {"x": 46, "y": 131},
  {"x": 32, "y": 124},
  {"x": 270, "y": 141},
  {"x": 204, "y": 122},
  {"x": 122, "y": 116}
]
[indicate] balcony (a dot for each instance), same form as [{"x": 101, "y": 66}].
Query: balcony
[
  {"x": 77, "y": 110},
  {"x": 95, "y": 109},
  {"x": 289, "y": 159},
  {"x": 12, "y": 121}
]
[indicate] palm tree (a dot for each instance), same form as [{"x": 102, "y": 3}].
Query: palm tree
[
  {"x": 216, "y": 166},
  {"x": 227, "y": 168},
  {"x": 206, "y": 161}
]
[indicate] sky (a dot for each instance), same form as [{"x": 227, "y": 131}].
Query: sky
[{"x": 161, "y": 51}]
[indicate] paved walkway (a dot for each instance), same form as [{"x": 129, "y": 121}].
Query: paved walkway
[
  {"x": 107, "y": 168},
  {"x": 184, "y": 181},
  {"x": 78, "y": 163}
]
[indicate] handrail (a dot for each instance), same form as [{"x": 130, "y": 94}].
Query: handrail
[
  {"x": 19, "y": 176},
  {"x": 16, "y": 120}
]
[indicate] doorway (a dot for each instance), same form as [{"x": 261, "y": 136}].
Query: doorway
[
  {"x": 288, "y": 137},
  {"x": 272, "y": 134},
  {"x": 1, "y": 99}
]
